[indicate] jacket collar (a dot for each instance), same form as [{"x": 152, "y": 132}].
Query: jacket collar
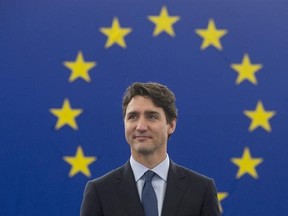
[
  {"x": 127, "y": 190},
  {"x": 175, "y": 190}
]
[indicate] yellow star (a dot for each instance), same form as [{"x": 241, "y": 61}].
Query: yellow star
[
  {"x": 115, "y": 34},
  {"x": 79, "y": 68},
  {"x": 66, "y": 115},
  {"x": 164, "y": 22},
  {"x": 79, "y": 163},
  {"x": 247, "y": 164},
  {"x": 246, "y": 70},
  {"x": 259, "y": 117},
  {"x": 211, "y": 35},
  {"x": 221, "y": 196}
]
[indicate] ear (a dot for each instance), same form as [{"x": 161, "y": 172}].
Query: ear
[{"x": 172, "y": 126}]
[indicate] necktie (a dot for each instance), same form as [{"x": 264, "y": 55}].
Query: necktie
[{"x": 149, "y": 199}]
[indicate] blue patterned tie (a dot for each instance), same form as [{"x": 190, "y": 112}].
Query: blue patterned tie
[{"x": 149, "y": 199}]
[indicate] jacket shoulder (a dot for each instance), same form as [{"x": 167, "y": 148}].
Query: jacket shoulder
[
  {"x": 110, "y": 176},
  {"x": 190, "y": 174}
]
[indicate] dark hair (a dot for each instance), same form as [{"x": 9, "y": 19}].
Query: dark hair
[{"x": 160, "y": 95}]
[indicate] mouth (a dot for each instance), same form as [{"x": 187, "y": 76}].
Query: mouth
[{"x": 141, "y": 137}]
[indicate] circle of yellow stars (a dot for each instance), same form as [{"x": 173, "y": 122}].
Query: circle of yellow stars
[{"x": 164, "y": 23}]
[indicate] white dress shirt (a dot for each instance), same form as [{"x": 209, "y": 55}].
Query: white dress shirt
[{"x": 159, "y": 182}]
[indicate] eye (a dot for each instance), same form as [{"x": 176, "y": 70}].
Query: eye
[
  {"x": 152, "y": 117},
  {"x": 131, "y": 117}
]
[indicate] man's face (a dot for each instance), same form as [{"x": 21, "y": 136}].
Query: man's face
[{"x": 146, "y": 128}]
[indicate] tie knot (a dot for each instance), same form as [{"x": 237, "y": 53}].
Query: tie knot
[{"x": 149, "y": 174}]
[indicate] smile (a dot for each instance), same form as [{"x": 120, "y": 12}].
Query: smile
[{"x": 142, "y": 137}]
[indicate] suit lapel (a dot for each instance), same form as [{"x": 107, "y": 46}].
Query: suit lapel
[
  {"x": 174, "y": 192},
  {"x": 127, "y": 190}
]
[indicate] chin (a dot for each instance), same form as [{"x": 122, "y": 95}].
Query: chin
[{"x": 144, "y": 150}]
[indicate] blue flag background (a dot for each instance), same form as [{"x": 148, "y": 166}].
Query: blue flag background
[{"x": 64, "y": 68}]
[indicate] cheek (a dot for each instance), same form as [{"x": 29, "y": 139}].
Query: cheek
[
  {"x": 128, "y": 129},
  {"x": 161, "y": 132},
  {"x": 168, "y": 131},
  {"x": 127, "y": 135}
]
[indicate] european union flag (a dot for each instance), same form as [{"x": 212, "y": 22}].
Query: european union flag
[{"x": 64, "y": 68}]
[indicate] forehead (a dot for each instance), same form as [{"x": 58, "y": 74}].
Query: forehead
[{"x": 140, "y": 103}]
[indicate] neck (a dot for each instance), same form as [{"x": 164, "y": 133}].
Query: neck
[{"x": 149, "y": 161}]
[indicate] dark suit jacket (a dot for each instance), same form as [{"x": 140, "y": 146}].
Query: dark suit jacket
[{"x": 115, "y": 194}]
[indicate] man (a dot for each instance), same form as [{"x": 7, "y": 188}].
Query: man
[{"x": 150, "y": 115}]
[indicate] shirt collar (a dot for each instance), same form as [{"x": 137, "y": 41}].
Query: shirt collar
[{"x": 161, "y": 169}]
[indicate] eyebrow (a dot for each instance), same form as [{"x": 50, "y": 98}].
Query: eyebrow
[
  {"x": 131, "y": 113},
  {"x": 146, "y": 113},
  {"x": 151, "y": 113}
]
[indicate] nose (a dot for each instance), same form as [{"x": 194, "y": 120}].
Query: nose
[{"x": 141, "y": 125}]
